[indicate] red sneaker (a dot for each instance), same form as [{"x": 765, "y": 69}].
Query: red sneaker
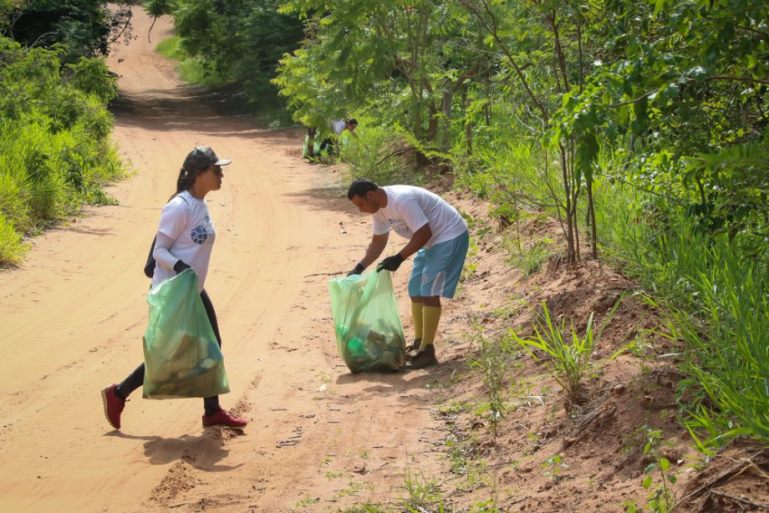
[
  {"x": 223, "y": 418},
  {"x": 113, "y": 406}
]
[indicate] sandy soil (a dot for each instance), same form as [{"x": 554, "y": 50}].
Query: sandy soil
[{"x": 73, "y": 316}]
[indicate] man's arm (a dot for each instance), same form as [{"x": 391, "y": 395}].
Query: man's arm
[
  {"x": 417, "y": 241},
  {"x": 375, "y": 248}
]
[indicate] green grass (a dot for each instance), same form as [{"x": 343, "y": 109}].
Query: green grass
[
  {"x": 718, "y": 292},
  {"x": 171, "y": 48},
  {"x": 12, "y": 248},
  {"x": 492, "y": 362},
  {"x": 421, "y": 493},
  {"x": 567, "y": 361},
  {"x": 190, "y": 68},
  {"x": 729, "y": 346},
  {"x": 529, "y": 257},
  {"x": 364, "y": 508}
]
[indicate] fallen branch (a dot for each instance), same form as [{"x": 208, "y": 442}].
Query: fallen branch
[
  {"x": 721, "y": 479},
  {"x": 739, "y": 500}
]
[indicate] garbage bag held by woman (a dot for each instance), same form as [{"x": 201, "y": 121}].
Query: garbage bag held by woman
[
  {"x": 369, "y": 334},
  {"x": 181, "y": 355}
]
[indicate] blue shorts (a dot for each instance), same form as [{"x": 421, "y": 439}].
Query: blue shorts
[{"x": 437, "y": 269}]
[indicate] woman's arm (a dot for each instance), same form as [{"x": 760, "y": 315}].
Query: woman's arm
[{"x": 162, "y": 253}]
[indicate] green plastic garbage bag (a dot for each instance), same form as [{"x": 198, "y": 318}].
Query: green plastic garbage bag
[
  {"x": 181, "y": 355},
  {"x": 369, "y": 334}
]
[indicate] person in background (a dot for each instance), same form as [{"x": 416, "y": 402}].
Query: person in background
[
  {"x": 338, "y": 125},
  {"x": 436, "y": 233},
  {"x": 348, "y": 133},
  {"x": 310, "y": 148},
  {"x": 184, "y": 240}
]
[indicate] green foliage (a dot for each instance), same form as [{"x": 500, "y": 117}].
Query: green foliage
[
  {"x": 729, "y": 345},
  {"x": 237, "y": 42},
  {"x": 55, "y": 151},
  {"x": 511, "y": 195},
  {"x": 528, "y": 257},
  {"x": 568, "y": 362},
  {"x": 79, "y": 28},
  {"x": 421, "y": 494},
  {"x": 192, "y": 69},
  {"x": 553, "y": 466},
  {"x": 374, "y": 154},
  {"x": 171, "y": 48},
  {"x": 719, "y": 285},
  {"x": 92, "y": 77},
  {"x": 492, "y": 361},
  {"x": 157, "y": 8},
  {"x": 661, "y": 499},
  {"x": 670, "y": 89},
  {"x": 403, "y": 62},
  {"x": 364, "y": 508}
]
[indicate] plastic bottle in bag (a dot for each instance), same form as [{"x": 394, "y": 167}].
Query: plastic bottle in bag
[{"x": 355, "y": 346}]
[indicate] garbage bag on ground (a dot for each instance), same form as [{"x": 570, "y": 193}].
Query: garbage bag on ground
[
  {"x": 181, "y": 355},
  {"x": 369, "y": 334}
]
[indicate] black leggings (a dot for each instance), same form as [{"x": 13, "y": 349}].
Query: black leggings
[{"x": 136, "y": 378}]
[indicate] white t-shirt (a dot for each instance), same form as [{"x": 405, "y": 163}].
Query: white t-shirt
[
  {"x": 186, "y": 221},
  {"x": 410, "y": 208},
  {"x": 338, "y": 125}
]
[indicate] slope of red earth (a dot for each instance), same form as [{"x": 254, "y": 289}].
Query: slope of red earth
[{"x": 546, "y": 454}]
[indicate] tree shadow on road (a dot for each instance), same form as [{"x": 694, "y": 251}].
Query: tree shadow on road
[
  {"x": 328, "y": 199},
  {"x": 213, "y": 112}
]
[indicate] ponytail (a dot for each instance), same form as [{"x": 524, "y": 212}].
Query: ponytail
[{"x": 183, "y": 182}]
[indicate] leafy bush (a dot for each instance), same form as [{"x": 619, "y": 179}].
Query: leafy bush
[
  {"x": 55, "y": 151},
  {"x": 92, "y": 77},
  {"x": 375, "y": 155}
]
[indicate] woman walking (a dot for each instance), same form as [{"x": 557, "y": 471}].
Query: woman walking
[{"x": 184, "y": 239}]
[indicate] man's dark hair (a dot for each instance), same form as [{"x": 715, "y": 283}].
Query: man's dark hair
[{"x": 361, "y": 187}]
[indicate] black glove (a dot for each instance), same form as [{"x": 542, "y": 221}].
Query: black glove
[
  {"x": 390, "y": 263},
  {"x": 357, "y": 269},
  {"x": 180, "y": 265}
]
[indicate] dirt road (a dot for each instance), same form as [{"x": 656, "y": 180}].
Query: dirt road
[{"x": 73, "y": 316}]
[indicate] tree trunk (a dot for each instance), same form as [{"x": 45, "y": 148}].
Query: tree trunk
[
  {"x": 468, "y": 125},
  {"x": 445, "y": 133},
  {"x": 591, "y": 216},
  {"x": 570, "y": 253}
]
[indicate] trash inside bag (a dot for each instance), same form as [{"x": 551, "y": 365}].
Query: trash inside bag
[
  {"x": 369, "y": 334},
  {"x": 181, "y": 355}
]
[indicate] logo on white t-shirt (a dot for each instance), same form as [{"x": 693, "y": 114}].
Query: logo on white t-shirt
[{"x": 199, "y": 234}]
